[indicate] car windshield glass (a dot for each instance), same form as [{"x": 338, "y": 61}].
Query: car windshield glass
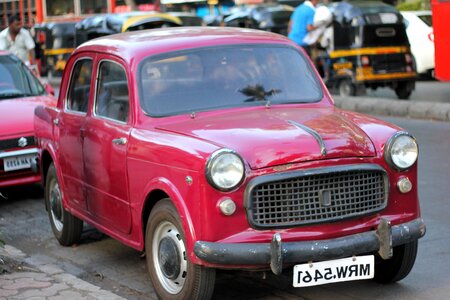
[
  {"x": 16, "y": 80},
  {"x": 225, "y": 77}
]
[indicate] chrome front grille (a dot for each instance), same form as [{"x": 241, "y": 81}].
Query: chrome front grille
[
  {"x": 315, "y": 196},
  {"x": 14, "y": 143}
]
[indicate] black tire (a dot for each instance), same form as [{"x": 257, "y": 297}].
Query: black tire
[
  {"x": 172, "y": 274},
  {"x": 66, "y": 227},
  {"x": 399, "y": 266},
  {"x": 403, "y": 91},
  {"x": 346, "y": 88}
]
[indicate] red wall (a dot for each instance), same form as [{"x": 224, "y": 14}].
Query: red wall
[{"x": 441, "y": 28}]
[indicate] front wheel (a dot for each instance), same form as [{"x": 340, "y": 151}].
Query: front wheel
[
  {"x": 172, "y": 274},
  {"x": 399, "y": 266},
  {"x": 66, "y": 227}
]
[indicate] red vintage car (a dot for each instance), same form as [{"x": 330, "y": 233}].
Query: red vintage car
[
  {"x": 221, "y": 148},
  {"x": 20, "y": 93}
]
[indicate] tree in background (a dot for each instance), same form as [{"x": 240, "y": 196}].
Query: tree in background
[{"x": 413, "y": 5}]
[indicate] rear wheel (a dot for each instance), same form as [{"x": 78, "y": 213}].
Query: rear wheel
[
  {"x": 172, "y": 274},
  {"x": 403, "y": 90},
  {"x": 399, "y": 266},
  {"x": 66, "y": 227},
  {"x": 346, "y": 88}
]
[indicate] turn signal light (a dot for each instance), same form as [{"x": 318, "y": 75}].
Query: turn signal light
[
  {"x": 408, "y": 58},
  {"x": 227, "y": 206},
  {"x": 404, "y": 185}
]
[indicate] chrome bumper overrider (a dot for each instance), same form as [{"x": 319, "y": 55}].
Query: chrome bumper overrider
[{"x": 277, "y": 253}]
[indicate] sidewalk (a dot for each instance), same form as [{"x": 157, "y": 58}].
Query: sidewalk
[
  {"x": 35, "y": 279},
  {"x": 399, "y": 108}
]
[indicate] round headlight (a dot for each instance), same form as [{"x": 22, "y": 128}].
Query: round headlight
[
  {"x": 401, "y": 151},
  {"x": 225, "y": 170}
]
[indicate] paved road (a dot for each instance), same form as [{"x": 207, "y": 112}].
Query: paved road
[{"x": 107, "y": 263}]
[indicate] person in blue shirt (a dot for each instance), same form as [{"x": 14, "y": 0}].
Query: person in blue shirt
[{"x": 301, "y": 23}]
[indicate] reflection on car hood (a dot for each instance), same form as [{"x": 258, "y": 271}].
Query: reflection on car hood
[
  {"x": 277, "y": 136},
  {"x": 16, "y": 115}
]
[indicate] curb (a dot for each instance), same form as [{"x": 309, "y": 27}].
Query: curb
[
  {"x": 44, "y": 279},
  {"x": 399, "y": 108}
]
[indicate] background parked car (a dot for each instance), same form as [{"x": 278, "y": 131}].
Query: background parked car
[
  {"x": 20, "y": 93},
  {"x": 420, "y": 34}
]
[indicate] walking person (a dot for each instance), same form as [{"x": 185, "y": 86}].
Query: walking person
[
  {"x": 301, "y": 23},
  {"x": 17, "y": 40}
]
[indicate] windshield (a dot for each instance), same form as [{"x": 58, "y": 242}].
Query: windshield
[
  {"x": 16, "y": 80},
  {"x": 225, "y": 77}
]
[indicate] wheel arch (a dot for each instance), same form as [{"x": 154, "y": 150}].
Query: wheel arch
[
  {"x": 162, "y": 188},
  {"x": 46, "y": 160}
]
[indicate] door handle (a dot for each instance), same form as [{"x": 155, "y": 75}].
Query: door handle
[
  {"x": 119, "y": 141},
  {"x": 56, "y": 121}
]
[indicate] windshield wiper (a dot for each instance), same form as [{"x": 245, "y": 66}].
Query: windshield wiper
[{"x": 258, "y": 93}]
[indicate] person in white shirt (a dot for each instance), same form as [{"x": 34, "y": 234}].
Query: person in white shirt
[{"x": 17, "y": 40}]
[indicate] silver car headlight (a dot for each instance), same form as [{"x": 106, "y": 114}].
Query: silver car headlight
[
  {"x": 401, "y": 151},
  {"x": 225, "y": 170}
]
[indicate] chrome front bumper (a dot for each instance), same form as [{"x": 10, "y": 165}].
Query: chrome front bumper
[{"x": 277, "y": 253}]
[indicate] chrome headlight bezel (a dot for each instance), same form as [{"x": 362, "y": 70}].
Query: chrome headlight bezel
[
  {"x": 211, "y": 169},
  {"x": 389, "y": 156}
]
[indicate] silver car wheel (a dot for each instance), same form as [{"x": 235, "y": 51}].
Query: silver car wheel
[
  {"x": 169, "y": 257},
  {"x": 56, "y": 208}
]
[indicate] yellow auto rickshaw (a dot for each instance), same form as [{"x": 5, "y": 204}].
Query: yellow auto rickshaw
[{"x": 367, "y": 48}]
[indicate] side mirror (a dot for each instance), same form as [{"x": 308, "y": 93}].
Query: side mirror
[{"x": 49, "y": 89}]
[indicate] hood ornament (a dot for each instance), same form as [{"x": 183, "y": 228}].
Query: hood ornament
[
  {"x": 22, "y": 142},
  {"x": 314, "y": 133}
]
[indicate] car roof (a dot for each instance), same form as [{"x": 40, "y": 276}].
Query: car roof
[{"x": 138, "y": 44}]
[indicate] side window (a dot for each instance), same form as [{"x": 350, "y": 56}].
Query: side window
[
  {"x": 112, "y": 92},
  {"x": 80, "y": 83}
]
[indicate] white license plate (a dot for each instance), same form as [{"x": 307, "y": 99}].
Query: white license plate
[
  {"x": 18, "y": 162},
  {"x": 345, "y": 269}
]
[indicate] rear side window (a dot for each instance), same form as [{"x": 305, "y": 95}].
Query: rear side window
[
  {"x": 80, "y": 85},
  {"x": 112, "y": 92}
]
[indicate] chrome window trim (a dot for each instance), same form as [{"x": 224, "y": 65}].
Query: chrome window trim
[
  {"x": 94, "y": 111},
  {"x": 66, "y": 108}
]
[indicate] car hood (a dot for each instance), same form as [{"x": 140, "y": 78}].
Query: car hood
[
  {"x": 275, "y": 136},
  {"x": 16, "y": 115}
]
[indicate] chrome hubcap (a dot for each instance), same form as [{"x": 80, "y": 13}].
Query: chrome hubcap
[
  {"x": 169, "y": 257},
  {"x": 56, "y": 205}
]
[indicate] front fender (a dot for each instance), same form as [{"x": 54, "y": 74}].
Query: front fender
[{"x": 168, "y": 187}]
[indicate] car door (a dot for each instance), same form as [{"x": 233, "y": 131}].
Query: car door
[
  {"x": 107, "y": 131},
  {"x": 71, "y": 123}
]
